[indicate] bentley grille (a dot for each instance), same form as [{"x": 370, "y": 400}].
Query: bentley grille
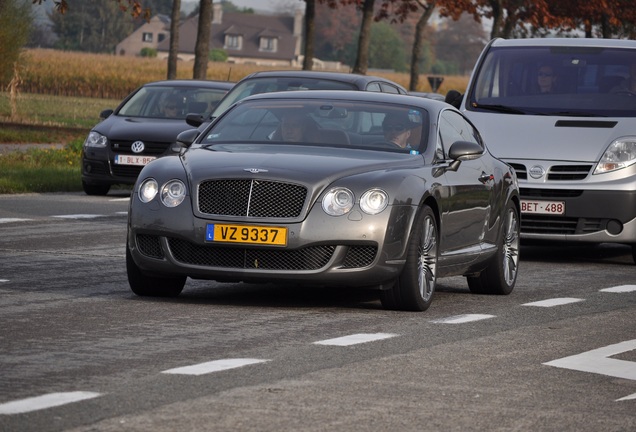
[{"x": 251, "y": 198}]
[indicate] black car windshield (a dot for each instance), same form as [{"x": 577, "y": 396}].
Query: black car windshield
[
  {"x": 171, "y": 102},
  {"x": 334, "y": 123},
  {"x": 572, "y": 81},
  {"x": 258, "y": 85}
]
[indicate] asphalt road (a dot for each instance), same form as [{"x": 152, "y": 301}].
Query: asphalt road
[{"x": 80, "y": 352}]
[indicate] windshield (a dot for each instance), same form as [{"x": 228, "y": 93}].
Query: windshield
[
  {"x": 568, "y": 81},
  {"x": 171, "y": 102},
  {"x": 257, "y": 85},
  {"x": 323, "y": 122}
]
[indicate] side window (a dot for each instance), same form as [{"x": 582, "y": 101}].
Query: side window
[
  {"x": 388, "y": 88},
  {"x": 374, "y": 87},
  {"x": 454, "y": 127}
]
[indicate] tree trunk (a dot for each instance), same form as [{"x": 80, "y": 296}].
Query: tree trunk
[
  {"x": 310, "y": 30},
  {"x": 497, "y": 18},
  {"x": 416, "y": 53},
  {"x": 173, "y": 50},
  {"x": 362, "y": 59},
  {"x": 202, "y": 48}
]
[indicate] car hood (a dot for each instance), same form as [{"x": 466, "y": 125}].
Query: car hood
[
  {"x": 145, "y": 129},
  {"x": 292, "y": 163},
  {"x": 511, "y": 136}
]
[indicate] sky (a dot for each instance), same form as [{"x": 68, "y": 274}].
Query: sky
[{"x": 268, "y": 5}]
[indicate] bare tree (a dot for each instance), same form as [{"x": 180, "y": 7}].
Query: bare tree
[
  {"x": 416, "y": 52},
  {"x": 362, "y": 58},
  {"x": 310, "y": 31},
  {"x": 173, "y": 50},
  {"x": 202, "y": 47}
]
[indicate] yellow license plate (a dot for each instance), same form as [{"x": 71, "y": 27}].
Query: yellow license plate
[{"x": 249, "y": 234}]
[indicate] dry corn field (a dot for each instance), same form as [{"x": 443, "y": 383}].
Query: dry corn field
[{"x": 64, "y": 73}]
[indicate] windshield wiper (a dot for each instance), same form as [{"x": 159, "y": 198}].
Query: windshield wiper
[{"x": 499, "y": 108}]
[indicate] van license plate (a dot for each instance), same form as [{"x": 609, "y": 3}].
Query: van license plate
[{"x": 543, "y": 207}]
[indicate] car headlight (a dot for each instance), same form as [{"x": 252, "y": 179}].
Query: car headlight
[
  {"x": 620, "y": 154},
  {"x": 95, "y": 139},
  {"x": 338, "y": 201},
  {"x": 374, "y": 201},
  {"x": 148, "y": 190},
  {"x": 173, "y": 193}
]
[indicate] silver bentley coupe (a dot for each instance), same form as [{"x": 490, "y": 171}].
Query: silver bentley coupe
[{"x": 328, "y": 188}]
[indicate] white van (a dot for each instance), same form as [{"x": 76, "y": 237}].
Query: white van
[{"x": 562, "y": 113}]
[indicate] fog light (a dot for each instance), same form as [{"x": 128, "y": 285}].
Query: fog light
[{"x": 614, "y": 227}]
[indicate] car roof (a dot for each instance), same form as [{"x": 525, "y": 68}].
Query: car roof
[
  {"x": 337, "y": 76},
  {"x": 388, "y": 98},
  {"x": 192, "y": 83},
  {"x": 565, "y": 42}
]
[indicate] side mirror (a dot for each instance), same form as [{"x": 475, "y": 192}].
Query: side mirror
[
  {"x": 463, "y": 150},
  {"x": 454, "y": 98},
  {"x": 105, "y": 114},
  {"x": 195, "y": 120},
  {"x": 186, "y": 138}
]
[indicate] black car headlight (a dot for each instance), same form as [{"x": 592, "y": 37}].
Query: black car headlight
[
  {"x": 95, "y": 139},
  {"x": 148, "y": 190}
]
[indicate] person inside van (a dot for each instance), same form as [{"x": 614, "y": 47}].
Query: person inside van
[
  {"x": 546, "y": 79},
  {"x": 629, "y": 83}
]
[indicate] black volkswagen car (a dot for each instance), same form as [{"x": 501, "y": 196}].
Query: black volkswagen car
[{"x": 142, "y": 128}]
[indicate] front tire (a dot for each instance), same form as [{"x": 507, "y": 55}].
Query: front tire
[
  {"x": 143, "y": 285},
  {"x": 95, "y": 189},
  {"x": 501, "y": 274},
  {"x": 414, "y": 288}
]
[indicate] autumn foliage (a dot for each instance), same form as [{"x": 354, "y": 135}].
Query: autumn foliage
[{"x": 132, "y": 6}]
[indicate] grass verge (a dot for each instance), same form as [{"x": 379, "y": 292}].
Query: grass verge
[{"x": 41, "y": 170}]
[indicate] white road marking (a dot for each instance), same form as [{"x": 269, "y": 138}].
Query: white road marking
[
  {"x": 355, "y": 339},
  {"x": 630, "y": 397},
  {"x": 553, "y": 302},
  {"x": 8, "y": 220},
  {"x": 597, "y": 361},
  {"x": 78, "y": 216},
  {"x": 461, "y": 319},
  {"x": 45, "y": 401},
  {"x": 4, "y": 280},
  {"x": 620, "y": 289},
  {"x": 213, "y": 366}
]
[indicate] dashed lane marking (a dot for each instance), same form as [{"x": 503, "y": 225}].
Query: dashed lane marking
[
  {"x": 213, "y": 366},
  {"x": 45, "y": 401},
  {"x": 461, "y": 319},
  {"x": 355, "y": 339},
  {"x": 78, "y": 216},
  {"x": 9, "y": 220},
  {"x": 554, "y": 302},
  {"x": 630, "y": 397},
  {"x": 620, "y": 289}
]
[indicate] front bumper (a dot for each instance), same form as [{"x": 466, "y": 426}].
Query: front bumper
[
  {"x": 355, "y": 249},
  {"x": 590, "y": 216}
]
